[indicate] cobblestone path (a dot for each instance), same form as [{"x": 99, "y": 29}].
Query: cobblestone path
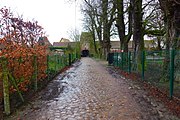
[{"x": 87, "y": 92}]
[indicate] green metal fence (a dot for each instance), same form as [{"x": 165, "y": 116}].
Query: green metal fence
[
  {"x": 53, "y": 64},
  {"x": 176, "y": 74},
  {"x": 160, "y": 68}
]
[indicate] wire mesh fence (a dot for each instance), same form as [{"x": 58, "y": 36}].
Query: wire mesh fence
[
  {"x": 177, "y": 73},
  {"x": 159, "y": 68},
  {"x": 23, "y": 75}
]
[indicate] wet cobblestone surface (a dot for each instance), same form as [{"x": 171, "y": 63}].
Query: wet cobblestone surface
[{"x": 85, "y": 92}]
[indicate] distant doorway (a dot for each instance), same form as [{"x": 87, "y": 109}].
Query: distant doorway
[{"x": 84, "y": 53}]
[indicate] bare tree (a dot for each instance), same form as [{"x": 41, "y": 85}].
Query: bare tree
[
  {"x": 171, "y": 10},
  {"x": 74, "y": 34},
  {"x": 153, "y": 24},
  {"x": 93, "y": 21},
  {"x": 104, "y": 19},
  {"x": 124, "y": 35}
]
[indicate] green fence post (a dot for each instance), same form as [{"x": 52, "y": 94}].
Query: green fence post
[
  {"x": 69, "y": 59},
  {"x": 113, "y": 58},
  {"x": 72, "y": 57},
  {"x": 117, "y": 63},
  {"x": 6, "y": 87},
  {"x": 55, "y": 61},
  {"x": 129, "y": 62},
  {"x": 65, "y": 59},
  {"x": 143, "y": 62},
  {"x": 122, "y": 59},
  {"x": 171, "y": 72},
  {"x": 60, "y": 61},
  {"x": 77, "y": 56},
  {"x": 117, "y": 59}
]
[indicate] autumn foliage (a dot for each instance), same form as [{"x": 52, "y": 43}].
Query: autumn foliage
[{"x": 24, "y": 56}]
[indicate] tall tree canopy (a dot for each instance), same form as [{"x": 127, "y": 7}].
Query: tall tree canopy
[
  {"x": 171, "y": 10},
  {"x": 155, "y": 18},
  {"x": 101, "y": 17}
]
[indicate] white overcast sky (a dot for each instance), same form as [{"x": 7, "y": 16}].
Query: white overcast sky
[{"x": 57, "y": 17}]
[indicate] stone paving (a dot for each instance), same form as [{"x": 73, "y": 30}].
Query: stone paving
[{"x": 87, "y": 92}]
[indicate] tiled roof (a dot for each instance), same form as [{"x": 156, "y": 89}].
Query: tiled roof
[
  {"x": 64, "y": 40},
  {"x": 60, "y": 44},
  {"x": 44, "y": 40}
]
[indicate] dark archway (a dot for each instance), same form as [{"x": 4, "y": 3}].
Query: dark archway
[{"x": 84, "y": 53}]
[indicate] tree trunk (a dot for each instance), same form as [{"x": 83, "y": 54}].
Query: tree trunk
[
  {"x": 130, "y": 26},
  {"x": 171, "y": 9},
  {"x": 138, "y": 32},
  {"x": 159, "y": 43},
  {"x": 94, "y": 42},
  {"x": 126, "y": 46},
  {"x": 120, "y": 24},
  {"x": 94, "y": 38},
  {"x": 106, "y": 37},
  {"x": 173, "y": 24}
]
